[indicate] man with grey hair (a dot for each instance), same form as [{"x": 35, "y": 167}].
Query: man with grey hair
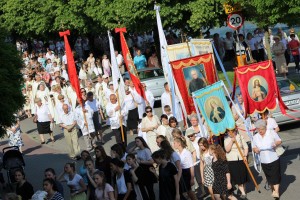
[{"x": 68, "y": 123}]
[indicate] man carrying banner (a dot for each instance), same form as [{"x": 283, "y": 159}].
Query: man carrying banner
[{"x": 116, "y": 112}]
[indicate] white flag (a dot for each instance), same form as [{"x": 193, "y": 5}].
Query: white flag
[
  {"x": 166, "y": 65},
  {"x": 117, "y": 79}
]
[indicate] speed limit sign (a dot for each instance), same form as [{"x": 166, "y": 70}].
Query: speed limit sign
[{"x": 235, "y": 20}]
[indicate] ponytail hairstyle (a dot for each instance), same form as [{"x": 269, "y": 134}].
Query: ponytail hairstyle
[
  {"x": 176, "y": 133},
  {"x": 181, "y": 140},
  {"x": 102, "y": 175},
  {"x": 167, "y": 148}
]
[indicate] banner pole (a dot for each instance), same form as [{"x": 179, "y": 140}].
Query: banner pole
[
  {"x": 221, "y": 65},
  {"x": 247, "y": 166}
]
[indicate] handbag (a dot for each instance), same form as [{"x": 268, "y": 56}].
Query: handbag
[{"x": 279, "y": 150}]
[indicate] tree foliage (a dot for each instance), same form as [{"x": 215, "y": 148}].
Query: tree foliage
[
  {"x": 10, "y": 83},
  {"x": 31, "y": 17}
]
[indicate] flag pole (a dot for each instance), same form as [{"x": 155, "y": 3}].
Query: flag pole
[
  {"x": 247, "y": 166},
  {"x": 120, "y": 118}
]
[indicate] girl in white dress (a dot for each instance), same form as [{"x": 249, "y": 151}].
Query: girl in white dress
[{"x": 106, "y": 65}]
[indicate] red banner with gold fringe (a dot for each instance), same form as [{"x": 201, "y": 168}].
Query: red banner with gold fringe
[
  {"x": 259, "y": 88},
  {"x": 192, "y": 74}
]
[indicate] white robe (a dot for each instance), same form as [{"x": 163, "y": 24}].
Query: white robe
[
  {"x": 89, "y": 118},
  {"x": 150, "y": 99},
  {"x": 72, "y": 96},
  {"x": 166, "y": 100},
  {"x": 114, "y": 119}
]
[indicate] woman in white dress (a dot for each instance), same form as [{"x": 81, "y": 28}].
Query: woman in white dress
[{"x": 150, "y": 123}]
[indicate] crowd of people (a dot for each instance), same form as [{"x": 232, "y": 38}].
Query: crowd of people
[
  {"x": 284, "y": 48},
  {"x": 187, "y": 163}
]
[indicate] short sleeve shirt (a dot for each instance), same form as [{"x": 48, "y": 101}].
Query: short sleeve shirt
[
  {"x": 99, "y": 193},
  {"x": 264, "y": 144}
]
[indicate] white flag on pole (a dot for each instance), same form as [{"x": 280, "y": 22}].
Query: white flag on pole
[
  {"x": 117, "y": 79},
  {"x": 166, "y": 65}
]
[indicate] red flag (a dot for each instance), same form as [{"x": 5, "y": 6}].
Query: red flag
[
  {"x": 259, "y": 88},
  {"x": 129, "y": 64},
  {"x": 71, "y": 66},
  {"x": 192, "y": 74}
]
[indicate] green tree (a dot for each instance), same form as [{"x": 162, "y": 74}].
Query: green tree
[{"x": 10, "y": 83}]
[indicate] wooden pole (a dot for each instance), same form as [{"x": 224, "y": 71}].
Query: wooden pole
[
  {"x": 247, "y": 166},
  {"x": 120, "y": 118}
]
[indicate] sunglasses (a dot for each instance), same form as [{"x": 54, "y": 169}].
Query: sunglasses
[
  {"x": 191, "y": 135},
  {"x": 148, "y": 111}
]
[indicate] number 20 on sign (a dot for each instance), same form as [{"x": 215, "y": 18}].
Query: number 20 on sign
[{"x": 235, "y": 20}]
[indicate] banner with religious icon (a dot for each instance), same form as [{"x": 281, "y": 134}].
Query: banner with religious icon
[
  {"x": 259, "y": 87},
  {"x": 214, "y": 108},
  {"x": 192, "y": 74}
]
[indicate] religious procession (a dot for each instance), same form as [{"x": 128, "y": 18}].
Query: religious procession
[{"x": 140, "y": 122}]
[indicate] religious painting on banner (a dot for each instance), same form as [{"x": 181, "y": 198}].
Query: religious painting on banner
[
  {"x": 259, "y": 87},
  {"x": 214, "y": 108},
  {"x": 192, "y": 74}
]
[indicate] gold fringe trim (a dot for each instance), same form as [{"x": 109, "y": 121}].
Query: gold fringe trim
[
  {"x": 253, "y": 70},
  {"x": 191, "y": 62}
]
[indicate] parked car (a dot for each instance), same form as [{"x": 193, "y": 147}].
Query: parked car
[
  {"x": 290, "y": 94},
  {"x": 153, "y": 78}
]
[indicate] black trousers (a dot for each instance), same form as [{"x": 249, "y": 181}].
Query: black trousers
[
  {"x": 118, "y": 135},
  {"x": 296, "y": 60}
]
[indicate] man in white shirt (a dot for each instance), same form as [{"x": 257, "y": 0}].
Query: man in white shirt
[
  {"x": 86, "y": 125},
  {"x": 130, "y": 100},
  {"x": 95, "y": 106},
  {"x": 166, "y": 99},
  {"x": 120, "y": 62},
  {"x": 115, "y": 114},
  {"x": 192, "y": 136},
  {"x": 68, "y": 123},
  {"x": 150, "y": 97}
]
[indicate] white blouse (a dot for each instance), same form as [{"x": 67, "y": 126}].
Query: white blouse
[
  {"x": 264, "y": 144},
  {"x": 43, "y": 113}
]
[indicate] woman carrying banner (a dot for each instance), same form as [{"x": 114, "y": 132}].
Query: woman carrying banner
[
  {"x": 235, "y": 160},
  {"x": 264, "y": 144}
]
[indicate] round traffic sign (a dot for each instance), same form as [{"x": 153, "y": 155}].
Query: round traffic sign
[{"x": 235, "y": 20}]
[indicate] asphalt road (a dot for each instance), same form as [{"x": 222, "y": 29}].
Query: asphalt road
[{"x": 38, "y": 158}]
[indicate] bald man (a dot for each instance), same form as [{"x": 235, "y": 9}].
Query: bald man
[
  {"x": 115, "y": 113},
  {"x": 68, "y": 123}
]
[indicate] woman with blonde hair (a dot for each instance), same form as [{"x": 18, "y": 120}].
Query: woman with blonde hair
[
  {"x": 187, "y": 167},
  {"x": 207, "y": 173}
]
